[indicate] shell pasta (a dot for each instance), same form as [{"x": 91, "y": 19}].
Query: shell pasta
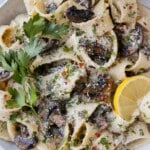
[{"x": 60, "y": 66}]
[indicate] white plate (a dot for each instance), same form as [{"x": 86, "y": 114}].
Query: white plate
[{"x": 9, "y": 9}]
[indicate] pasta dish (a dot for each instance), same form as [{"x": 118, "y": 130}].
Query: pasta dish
[{"x": 75, "y": 75}]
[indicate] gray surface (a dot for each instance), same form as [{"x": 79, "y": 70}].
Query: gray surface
[
  {"x": 10, "y": 10},
  {"x": 145, "y": 3}
]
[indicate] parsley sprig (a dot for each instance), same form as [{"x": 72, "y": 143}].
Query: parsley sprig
[
  {"x": 38, "y": 26},
  {"x": 24, "y": 95},
  {"x": 18, "y": 61}
]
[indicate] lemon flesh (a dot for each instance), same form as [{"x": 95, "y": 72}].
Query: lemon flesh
[{"x": 128, "y": 93}]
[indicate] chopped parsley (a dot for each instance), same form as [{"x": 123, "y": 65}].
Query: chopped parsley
[
  {"x": 105, "y": 143},
  {"x": 141, "y": 132},
  {"x": 67, "y": 49},
  {"x": 85, "y": 114},
  {"x": 94, "y": 29},
  {"x": 69, "y": 70},
  {"x": 3, "y": 125},
  {"x": 132, "y": 14},
  {"x": 101, "y": 68}
]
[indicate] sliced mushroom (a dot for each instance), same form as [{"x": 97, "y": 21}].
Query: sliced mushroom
[
  {"x": 23, "y": 140},
  {"x": 99, "y": 116},
  {"x": 99, "y": 51},
  {"x": 50, "y": 68},
  {"x": 130, "y": 39},
  {"x": 80, "y": 86},
  {"x": 4, "y": 75},
  {"x": 26, "y": 143},
  {"x": 51, "y": 44},
  {"x": 101, "y": 88},
  {"x": 52, "y": 115},
  {"x": 78, "y": 16}
]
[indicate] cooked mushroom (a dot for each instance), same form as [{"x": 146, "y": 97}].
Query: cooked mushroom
[
  {"x": 99, "y": 116},
  {"x": 26, "y": 143},
  {"x": 51, "y": 44},
  {"x": 50, "y": 68},
  {"x": 99, "y": 51},
  {"x": 101, "y": 88},
  {"x": 23, "y": 140},
  {"x": 78, "y": 16},
  {"x": 80, "y": 86},
  {"x": 52, "y": 116},
  {"x": 4, "y": 75},
  {"x": 130, "y": 40}
]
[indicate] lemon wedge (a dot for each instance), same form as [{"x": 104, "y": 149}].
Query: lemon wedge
[{"x": 128, "y": 93}]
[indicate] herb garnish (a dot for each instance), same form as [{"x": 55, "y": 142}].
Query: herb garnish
[
  {"x": 25, "y": 95},
  {"x": 94, "y": 29},
  {"x": 105, "y": 142},
  {"x": 132, "y": 14},
  {"x": 67, "y": 49},
  {"x": 40, "y": 26},
  {"x": 18, "y": 63}
]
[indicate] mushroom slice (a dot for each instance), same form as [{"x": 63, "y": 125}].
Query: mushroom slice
[
  {"x": 26, "y": 143},
  {"x": 98, "y": 53},
  {"x": 52, "y": 116},
  {"x": 79, "y": 15},
  {"x": 22, "y": 131},
  {"x": 4, "y": 75},
  {"x": 101, "y": 88},
  {"x": 99, "y": 116},
  {"x": 130, "y": 39},
  {"x": 97, "y": 26}
]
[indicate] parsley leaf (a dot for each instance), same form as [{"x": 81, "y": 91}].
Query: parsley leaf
[
  {"x": 55, "y": 30},
  {"x": 34, "y": 26},
  {"x": 34, "y": 47},
  {"x": 105, "y": 142},
  {"x": 18, "y": 97},
  {"x": 67, "y": 49},
  {"x": 32, "y": 96},
  {"x": 40, "y": 26},
  {"x": 16, "y": 62},
  {"x": 25, "y": 95}
]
